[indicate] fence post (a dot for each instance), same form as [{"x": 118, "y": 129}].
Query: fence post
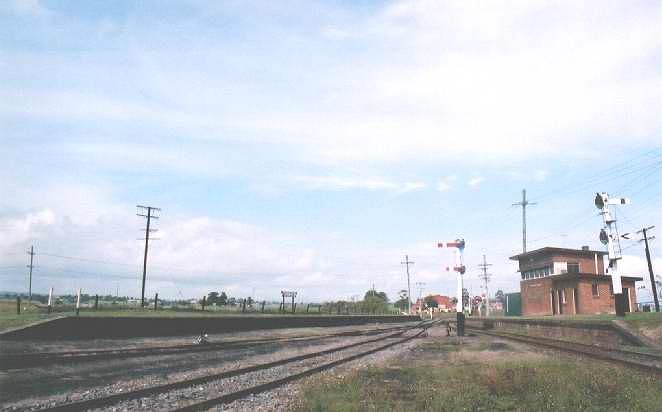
[
  {"x": 307, "y": 307},
  {"x": 243, "y": 306},
  {"x": 156, "y": 301},
  {"x": 263, "y": 302},
  {"x": 50, "y": 300},
  {"x": 78, "y": 302},
  {"x": 18, "y": 305},
  {"x": 96, "y": 302},
  {"x": 204, "y": 302}
]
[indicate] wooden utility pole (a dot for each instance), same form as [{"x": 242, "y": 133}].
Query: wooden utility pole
[
  {"x": 486, "y": 277},
  {"x": 645, "y": 239},
  {"x": 152, "y": 213},
  {"x": 524, "y": 203},
  {"x": 30, "y": 266},
  {"x": 407, "y": 262}
]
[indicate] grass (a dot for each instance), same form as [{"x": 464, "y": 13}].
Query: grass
[{"x": 499, "y": 385}]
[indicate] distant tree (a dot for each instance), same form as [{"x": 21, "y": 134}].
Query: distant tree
[
  {"x": 402, "y": 303},
  {"x": 430, "y": 302},
  {"x": 374, "y": 293},
  {"x": 499, "y": 296},
  {"x": 374, "y": 302},
  {"x": 223, "y": 299},
  {"x": 232, "y": 302},
  {"x": 212, "y": 298},
  {"x": 249, "y": 301}
]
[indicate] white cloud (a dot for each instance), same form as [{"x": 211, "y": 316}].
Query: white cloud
[
  {"x": 32, "y": 8},
  {"x": 443, "y": 186},
  {"x": 540, "y": 175},
  {"x": 458, "y": 79},
  {"x": 346, "y": 183},
  {"x": 473, "y": 182}
]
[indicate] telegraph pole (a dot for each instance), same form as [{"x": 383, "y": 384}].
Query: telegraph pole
[
  {"x": 408, "y": 262},
  {"x": 486, "y": 278},
  {"x": 30, "y": 266},
  {"x": 152, "y": 213},
  {"x": 524, "y": 203},
  {"x": 645, "y": 239}
]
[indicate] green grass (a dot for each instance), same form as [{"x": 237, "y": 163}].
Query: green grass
[{"x": 533, "y": 385}]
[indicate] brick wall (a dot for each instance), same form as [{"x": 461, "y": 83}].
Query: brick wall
[
  {"x": 535, "y": 296},
  {"x": 537, "y": 300}
]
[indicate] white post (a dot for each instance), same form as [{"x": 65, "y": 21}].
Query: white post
[
  {"x": 50, "y": 300},
  {"x": 460, "y": 303},
  {"x": 78, "y": 301}
]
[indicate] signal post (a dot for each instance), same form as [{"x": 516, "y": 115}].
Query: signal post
[{"x": 458, "y": 267}]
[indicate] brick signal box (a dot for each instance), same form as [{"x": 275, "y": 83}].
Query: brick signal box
[{"x": 560, "y": 281}]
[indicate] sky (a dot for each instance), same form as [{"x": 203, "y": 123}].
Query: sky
[{"x": 311, "y": 145}]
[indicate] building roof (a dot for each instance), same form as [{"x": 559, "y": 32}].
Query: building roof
[{"x": 557, "y": 250}]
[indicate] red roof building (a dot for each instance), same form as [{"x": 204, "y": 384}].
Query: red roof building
[{"x": 443, "y": 304}]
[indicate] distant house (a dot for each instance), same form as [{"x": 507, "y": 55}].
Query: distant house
[
  {"x": 560, "y": 281},
  {"x": 443, "y": 304}
]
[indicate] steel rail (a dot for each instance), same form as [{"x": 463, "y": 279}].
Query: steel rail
[
  {"x": 623, "y": 357},
  {"x": 27, "y": 360},
  {"x": 233, "y": 396},
  {"x": 624, "y": 352},
  {"x": 146, "y": 392}
]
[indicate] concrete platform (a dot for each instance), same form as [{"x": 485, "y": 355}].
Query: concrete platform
[{"x": 126, "y": 327}]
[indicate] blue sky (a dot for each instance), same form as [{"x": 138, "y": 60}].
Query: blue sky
[{"x": 311, "y": 145}]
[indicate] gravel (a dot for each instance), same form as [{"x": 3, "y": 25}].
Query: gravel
[{"x": 166, "y": 369}]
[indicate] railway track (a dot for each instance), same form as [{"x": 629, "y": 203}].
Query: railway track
[
  {"x": 645, "y": 361},
  {"x": 28, "y": 360},
  {"x": 373, "y": 345}
]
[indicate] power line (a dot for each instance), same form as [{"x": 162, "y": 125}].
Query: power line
[{"x": 617, "y": 171}]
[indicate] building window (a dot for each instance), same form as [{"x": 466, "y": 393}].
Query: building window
[
  {"x": 536, "y": 273},
  {"x": 573, "y": 267},
  {"x": 594, "y": 290}
]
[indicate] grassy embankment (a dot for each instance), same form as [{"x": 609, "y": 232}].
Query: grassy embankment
[{"x": 443, "y": 377}]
